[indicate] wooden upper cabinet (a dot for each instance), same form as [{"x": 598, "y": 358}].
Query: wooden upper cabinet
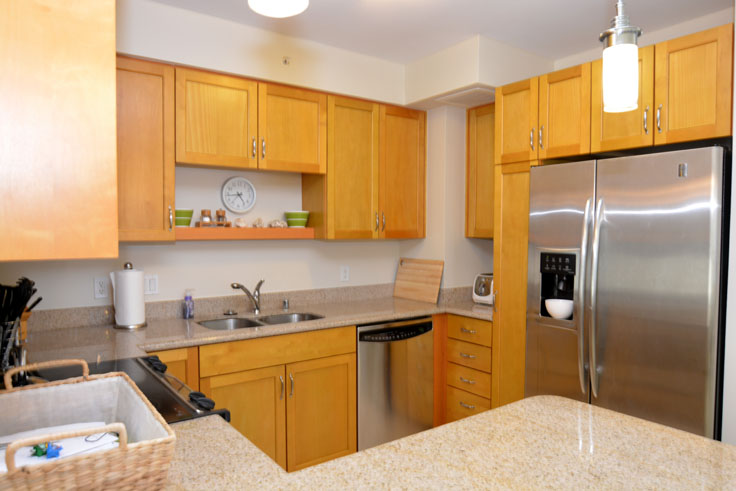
[
  {"x": 292, "y": 126},
  {"x": 57, "y": 130},
  {"x": 145, "y": 116},
  {"x": 693, "y": 84},
  {"x": 479, "y": 172},
  {"x": 516, "y": 121},
  {"x": 402, "y": 167},
  {"x": 216, "y": 120},
  {"x": 564, "y": 112},
  {"x": 631, "y": 129}
]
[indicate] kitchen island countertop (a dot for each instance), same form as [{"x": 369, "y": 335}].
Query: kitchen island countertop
[{"x": 540, "y": 442}]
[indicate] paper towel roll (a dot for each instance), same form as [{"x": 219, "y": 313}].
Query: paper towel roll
[{"x": 130, "y": 308}]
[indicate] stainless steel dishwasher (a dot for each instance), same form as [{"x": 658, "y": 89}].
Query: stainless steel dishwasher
[{"x": 395, "y": 380}]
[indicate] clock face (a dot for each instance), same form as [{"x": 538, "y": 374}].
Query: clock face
[{"x": 238, "y": 194}]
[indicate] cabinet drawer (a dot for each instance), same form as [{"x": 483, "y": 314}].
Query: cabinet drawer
[
  {"x": 461, "y": 404},
  {"x": 469, "y": 355},
  {"x": 470, "y": 330},
  {"x": 470, "y": 380},
  {"x": 236, "y": 356}
]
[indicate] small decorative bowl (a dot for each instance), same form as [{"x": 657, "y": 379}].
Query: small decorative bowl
[
  {"x": 184, "y": 213},
  {"x": 296, "y": 214},
  {"x": 183, "y": 221},
  {"x": 296, "y": 222}
]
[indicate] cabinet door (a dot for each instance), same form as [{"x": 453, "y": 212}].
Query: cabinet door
[
  {"x": 57, "y": 130},
  {"x": 564, "y": 112},
  {"x": 292, "y": 126},
  {"x": 479, "y": 172},
  {"x": 617, "y": 131},
  {"x": 510, "y": 277},
  {"x": 182, "y": 363},
  {"x": 516, "y": 122},
  {"x": 256, "y": 400},
  {"x": 693, "y": 83},
  {"x": 145, "y": 102},
  {"x": 216, "y": 117},
  {"x": 321, "y": 410},
  {"x": 352, "y": 177},
  {"x": 402, "y": 173}
]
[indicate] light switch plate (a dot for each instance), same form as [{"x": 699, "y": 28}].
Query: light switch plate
[
  {"x": 150, "y": 284},
  {"x": 344, "y": 273},
  {"x": 101, "y": 288}
]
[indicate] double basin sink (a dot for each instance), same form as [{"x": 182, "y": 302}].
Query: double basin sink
[{"x": 266, "y": 320}]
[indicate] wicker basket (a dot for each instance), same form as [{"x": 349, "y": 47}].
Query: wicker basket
[{"x": 146, "y": 442}]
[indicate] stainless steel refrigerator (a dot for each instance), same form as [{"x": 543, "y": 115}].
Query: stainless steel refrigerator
[{"x": 636, "y": 244}]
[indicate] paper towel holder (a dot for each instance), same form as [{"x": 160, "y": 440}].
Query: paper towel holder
[{"x": 127, "y": 267}]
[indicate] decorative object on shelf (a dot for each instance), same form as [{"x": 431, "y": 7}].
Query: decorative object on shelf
[
  {"x": 278, "y": 224},
  {"x": 183, "y": 217},
  {"x": 258, "y": 223},
  {"x": 296, "y": 218},
  {"x": 238, "y": 194},
  {"x": 240, "y": 222},
  {"x": 620, "y": 64},
  {"x": 278, "y": 8}
]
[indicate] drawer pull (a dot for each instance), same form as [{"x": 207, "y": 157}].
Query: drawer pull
[
  {"x": 467, "y": 406},
  {"x": 468, "y": 331},
  {"x": 465, "y": 355},
  {"x": 464, "y": 380}
]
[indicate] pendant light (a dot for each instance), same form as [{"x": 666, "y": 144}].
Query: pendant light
[
  {"x": 278, "y": 8},
  {"x": 620, "y": 64}
]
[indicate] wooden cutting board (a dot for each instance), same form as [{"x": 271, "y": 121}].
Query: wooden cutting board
[{"x": 418, "y": 279}]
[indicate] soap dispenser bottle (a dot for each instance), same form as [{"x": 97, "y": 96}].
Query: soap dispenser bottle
[{"x": 188, "y": 305}]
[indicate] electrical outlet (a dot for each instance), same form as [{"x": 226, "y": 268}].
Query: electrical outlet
[
  {"x": 100, "y": 285},
  {"x": 344, "y": 273},
  {"x": 150, "y": 284}
]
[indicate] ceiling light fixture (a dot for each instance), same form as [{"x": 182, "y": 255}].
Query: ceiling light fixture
[
  {"x": 278, "y": 8},
  {"x": 620, "y": 64}
]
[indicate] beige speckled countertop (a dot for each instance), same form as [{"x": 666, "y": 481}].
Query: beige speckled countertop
[
  {"x": 100, "y": 343},
  {"x": 540, "y": 442}
]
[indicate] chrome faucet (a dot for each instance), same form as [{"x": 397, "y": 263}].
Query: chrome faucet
[{"x": 255, "y": 296}]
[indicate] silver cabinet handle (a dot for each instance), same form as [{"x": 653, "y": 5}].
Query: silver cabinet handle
[
  {"x": 468, "y": 331},
  {"x": 263, "y": 148},
  {"x": 646, "y": 121},
  {"x": 594, "y": 296},
  {"x": 281, "y": 378},
  {"x": 171, "y": 219},
  {"x": 291, "y": 378},
  {"x": 376, "y": 221},
  {"x": 466, "y": 381},
  {"x": 581, "y": 297},
  {"x": 659, "y": 119},
  {"x": 531, "y": 138},
  {"x": 465, "y": 355},
  {"x": 383, "y": 219},
  {"x": 467, "y": 406},
  {"x": 541, "y": 133},
  {"x": 254, "y": 147}
]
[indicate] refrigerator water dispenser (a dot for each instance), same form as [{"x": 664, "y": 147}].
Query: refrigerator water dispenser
[{"x": 558, "y": 279}]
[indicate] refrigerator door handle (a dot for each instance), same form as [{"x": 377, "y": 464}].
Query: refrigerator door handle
[
  {"x": 594, "y": 295},
  {"x": 581, "y": 297}
]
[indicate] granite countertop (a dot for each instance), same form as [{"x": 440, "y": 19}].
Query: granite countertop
[
  {"x": 540, "y": 442},
  {"x": 100, "y": 343}
]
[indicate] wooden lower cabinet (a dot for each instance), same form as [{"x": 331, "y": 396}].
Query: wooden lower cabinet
[
  {"x": 182, "y": 363},
  {"x": 461, "y": 404},
  {"x": 299, "y": 405}
]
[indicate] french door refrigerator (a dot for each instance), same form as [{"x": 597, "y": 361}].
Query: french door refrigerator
[{"x": 635, "y": 244}]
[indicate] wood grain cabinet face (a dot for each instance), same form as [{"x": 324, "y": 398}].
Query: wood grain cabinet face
[
  {"x": 631, "y": 129},
  {"x": 216, "y": 120},
  {"x": 564, "y": 112},
  {"x": 145, "y": 117},
  {"x": 57, "y": 130},
  {"x": 182, "y": 363},
  {"x": 693, "y": 86},
  {"x": 516, "y": 121},
  {"x": 479, "y": 172},
  {"x": 402, "y": 173}
]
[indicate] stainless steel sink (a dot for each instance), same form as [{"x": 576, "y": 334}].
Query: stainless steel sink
[
  {"x": 229, "y": 324},
  {"x": 288, "y": 318}
]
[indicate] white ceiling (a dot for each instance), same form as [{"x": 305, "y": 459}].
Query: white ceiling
[{"x": 406, "y": 30}]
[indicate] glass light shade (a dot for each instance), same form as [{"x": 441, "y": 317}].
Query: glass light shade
[
  {"x": 620, "y": 78},
  {"x": 278, "y": 8}
]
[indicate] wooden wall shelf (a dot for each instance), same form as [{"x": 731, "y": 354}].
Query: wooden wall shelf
[{"x": 233, "y": 233}]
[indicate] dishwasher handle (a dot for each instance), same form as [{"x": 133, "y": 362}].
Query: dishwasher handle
[{"x": 397, "y": 331}]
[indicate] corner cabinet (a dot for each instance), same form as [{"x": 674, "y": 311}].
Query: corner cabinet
[
  {"x": 293, "y": 395},
  {"x": 375, "y": 182},
  {"x": 145, "y": 117},
  {"x": 57, "y": 128},
  {"x": 479, "y": 172}
]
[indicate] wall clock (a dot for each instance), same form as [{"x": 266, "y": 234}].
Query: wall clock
[{"x": 238, "y": 194}]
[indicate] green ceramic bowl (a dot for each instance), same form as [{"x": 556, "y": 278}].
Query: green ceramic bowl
[
  {"x": 296, "y": 214},
  {"x": 296, "y": 222},
  {"x": 183, "y": 221},
  {"x": 183, "y": 213}
]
